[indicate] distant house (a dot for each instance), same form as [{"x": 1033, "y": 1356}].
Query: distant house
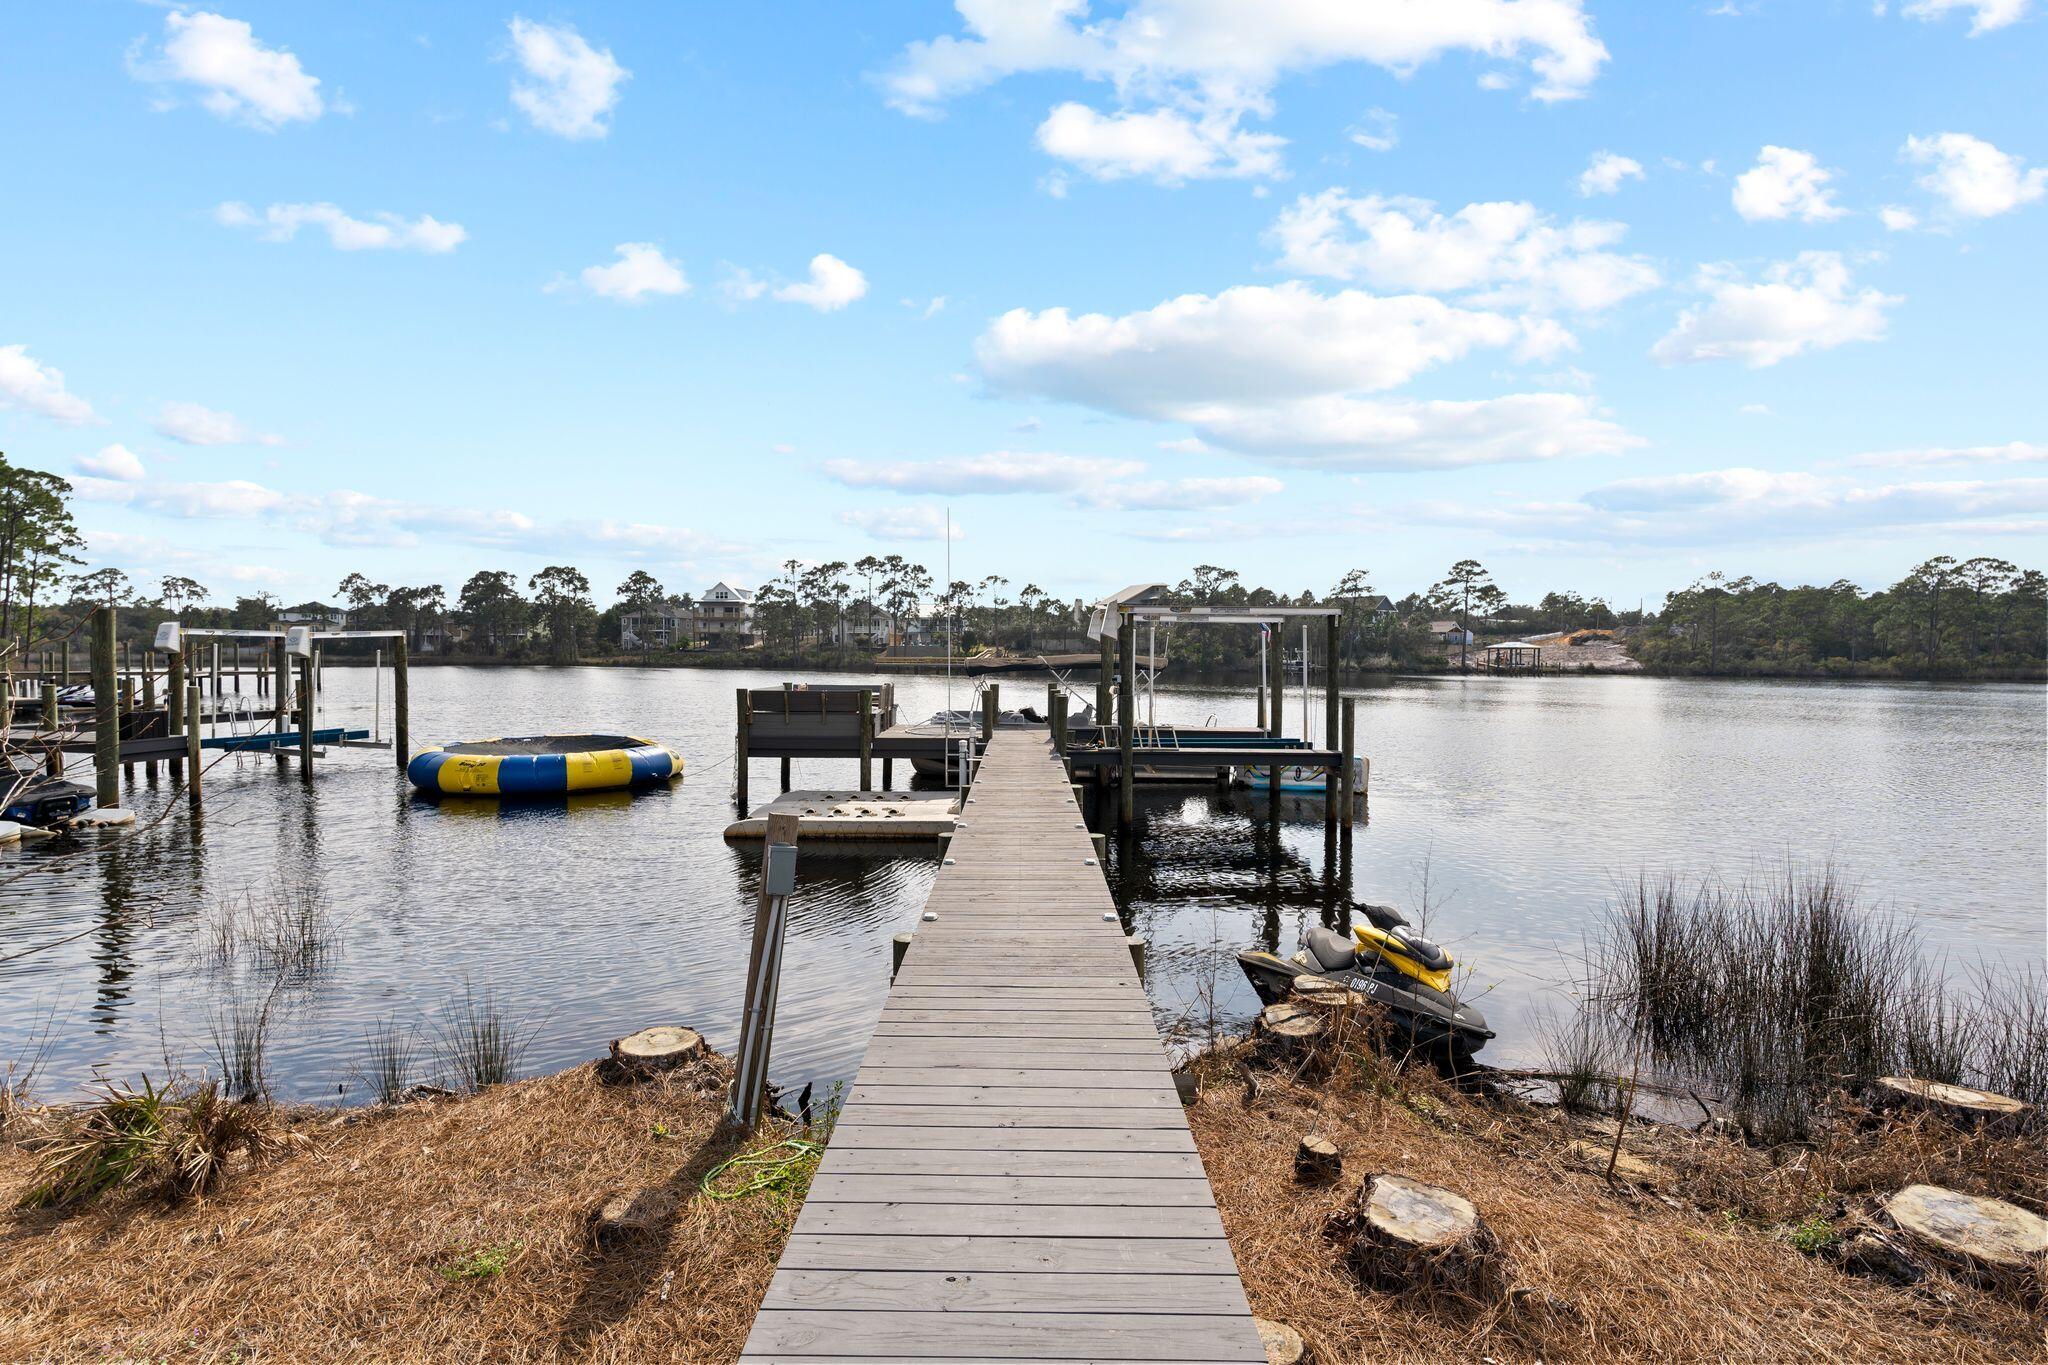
[
  {"x": 1450, "y": 632},
  {"x": 668, "y": 624},
  {"x": 1380, "y": 607},
  {"x": 317, "y": 615},
  {"x": 724, "y": 617}
]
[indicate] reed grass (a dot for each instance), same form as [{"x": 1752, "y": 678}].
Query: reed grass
[
  {"x": 241, "y": 1044},
  {"x": 390, "y": 1056},
  {"x": 1780, "y": 990},
  {"x": 479, "y": 1042}
]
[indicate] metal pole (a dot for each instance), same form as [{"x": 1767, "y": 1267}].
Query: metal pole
[
  {"x": 376, "y": 695},
  {"x": 149, "y": 704},
  {"x": 1126, "y": 719},
  {"x": 106, "y": 706},
  {"x": 764, "y": 971},
  {"x": 1333, "y": 781},
  {"x": 215, "y": 674}
]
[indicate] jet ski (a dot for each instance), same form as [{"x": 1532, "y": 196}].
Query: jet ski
[
  {"x": 1392, "y": 965},
  {"x": 41, "y": 801}
]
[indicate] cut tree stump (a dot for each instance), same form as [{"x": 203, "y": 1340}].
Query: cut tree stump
[
  {"x": 1404, "y": 1232},
  {"x": 652, "y": 1051},
  {"x": 1987, "y": 1236},
  {"x": 1290, "y": 1023},
  {"x": 1317, "y": 1161},
  {"x": 1283, "y": 1344},
  {"x": 1955, "y": 1101}
]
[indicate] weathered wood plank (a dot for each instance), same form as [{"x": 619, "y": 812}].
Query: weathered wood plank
[
  {"x": 1012, "y": 1291},
  {"x": 1006, "y": 1220},
  {"x": 863, "y": 1132},
  {"x": 1094, "y": 1191},
  {"x": 998, "y": 1336},
  {"x": 983, "y": 1255},
  {"x": 840, "y": 1160}
]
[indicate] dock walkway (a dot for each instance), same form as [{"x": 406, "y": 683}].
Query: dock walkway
[{"x": 1012, "y": 1177}]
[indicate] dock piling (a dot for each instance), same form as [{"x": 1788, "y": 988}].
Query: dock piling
[
  {"x": 192, "y": 712},
  {"x": 1333, "y": 781},
  {"x": 106, "y": 708},
  {"x": 401, "y": 703},
  {"x": 1126, "y": 719},
  {"x": 306, "y": 714},
  {"x": 739, "y": 762},
  {"x": 1348, "y": 791},
  {"x": 280, "y": 693},
  {"x": 174, "y": 701},
  {"x": 867, "y": 742}
]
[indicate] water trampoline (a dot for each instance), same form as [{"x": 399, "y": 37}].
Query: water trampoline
[{"x": 543, "y": 765}]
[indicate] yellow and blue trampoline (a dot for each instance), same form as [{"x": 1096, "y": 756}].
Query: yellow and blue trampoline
[{"x": 543, "y": 765}]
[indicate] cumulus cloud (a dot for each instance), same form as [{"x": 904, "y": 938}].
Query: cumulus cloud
[
  {"x": 1985, "y": 15},
  {"x": 1180, "y": 495},
  {"x": 902, "y": 523},
  {"x": 1188, "y": 72},
  {"x": 1606, "y": 171},
  {"x": 640, "y": 271},
  {"x": 1897, "y": 218},
  {"x": 32, "y": 386},
  {"x": 1377, "y": 131},
  {"x": 383, "y": 232},
  {"x": 1000, "y": 471},
  {"x": 1160, "y": 144},
  {"x": 1786, "y": 183},
  {"x": 1808, "y": 303},
  {"x": 194, "y": 425},
  {"x": 1341, "y": 432},
  {"x": 833, "y": 284},
  {"x": 572, "y": 86},
  {"x": 115, "y": 462},
  {"x": 1972, "y": 178},
  {"x": 1505, "y": 253},
  {"x": 238, "y": 77}
]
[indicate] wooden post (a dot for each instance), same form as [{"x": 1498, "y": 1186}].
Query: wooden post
[
  {"x": 888, "y": 773},
  {"x": 764, "y": 972},
  {"x": 1348, "y": 789},
  {"x": 106, "y": 709},
  {"x": 214, "y": 662},
  {"x": 991, "y": 701},
  {"x": 174, "y": 703},
  {"x": 280, "y": 694},
  {"x": 127, "y": 708},
  {"x": 739, "y": 762},
  {"x": 785, "y": 774},
  {"x": 401, "y": 703},
  {"x": 865, "y": 700},
  {"x": 1332, "y": 780},
  {"x": 1056, "y": 705},
  {"x": 306, "y": 714},
  {"x": 1102, "y": 681},
  {"x": 192, "y": 741},
  {"x": 899, "y": 947},
  {"x": 53, "y": 757},
  {"x": 1276, "y": 685},
  {"x": 1126, "y": 719},
  {"x": 149, "y": 704}
]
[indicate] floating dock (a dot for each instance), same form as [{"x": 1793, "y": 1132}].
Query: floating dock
[
  {"x": 856, "y": 815},
  {"x": 1012, "y": 1177}
]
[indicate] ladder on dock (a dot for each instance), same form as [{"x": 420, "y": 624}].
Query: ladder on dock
[{"x": 1012, "y": 1177}]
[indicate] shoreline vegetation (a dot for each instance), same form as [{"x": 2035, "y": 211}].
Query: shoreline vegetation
[{"x": 1658, "y": 1197}]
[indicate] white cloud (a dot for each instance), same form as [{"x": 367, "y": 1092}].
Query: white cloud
[
  {"x": 1000, "y": 471},
  {"x": 116, "y": 462},
  {"x": 1972, "y": 177},
  {"x": 27, "y": 383},
  {"x": 1180, "y": 495},
  {"x": 2012, "y": 452},
  {"x": 1808, "y": 303},
  {"x": 902, "y": 523},
  {"x": 574, "y": 86},
  {"x": 1351, "y": 433},
  {"x": 1160, "y": 144},
  {"x": 1754, "y": 410},
  {"x": 1985, "y": 15},
  {"x": 389, "y": 231},
  {"x": 1898, "y": 219},
  {"x": 193, "y": 425},
  {"x": 1377, "y": 131},
  {"x": 1510, "y": 253},
  {"x": 833, "y": 284},
  {"x": 240, "y": 78},
  {"x": 1235, "y": 54},
  {"x": 639, "y": 271},
  {"x": 1606, "y": 171},
  {"x": 1785, "y": 183}
]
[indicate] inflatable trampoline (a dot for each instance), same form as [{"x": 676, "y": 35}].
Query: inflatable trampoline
[{"x": 543, "y": 765}]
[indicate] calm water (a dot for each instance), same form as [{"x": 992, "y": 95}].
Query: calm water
[{"x": 1515, "y": 805}]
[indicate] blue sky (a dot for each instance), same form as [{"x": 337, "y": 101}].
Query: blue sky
[{"x": 1604, "y": 296}]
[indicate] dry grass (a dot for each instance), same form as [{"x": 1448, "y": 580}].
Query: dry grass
[
  {"x": 1606, "y": 1272},
  {"x": 439, "y": 1231}
]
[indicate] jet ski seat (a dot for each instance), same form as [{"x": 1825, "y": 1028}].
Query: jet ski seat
[{"x": 1336, "y": 952}]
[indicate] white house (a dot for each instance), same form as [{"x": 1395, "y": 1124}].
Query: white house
[
  {"x": 724, "y": 617},
  {"x": 669, "y": 624}
]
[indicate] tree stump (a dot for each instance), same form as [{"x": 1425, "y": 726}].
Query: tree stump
[
  {"x": 652, "y": 1051},
  {"x": 1317, "y": 1161},
  {"x": 1952, "y": 1101},
  {"x": 1987, "y": 1237},
  {"x": 1283, "y": 1344},
  {"x": 1290, "y": 1023},
  {"x": 1308, "y": 987},
  {"x": 1406, "y": 1233}
]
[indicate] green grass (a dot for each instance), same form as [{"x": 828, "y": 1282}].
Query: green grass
[
  {"x": 1813, "y": 1236},
  {"x": 482, "y": 1263}
]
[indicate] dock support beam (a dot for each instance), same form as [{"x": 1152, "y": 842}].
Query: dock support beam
[
  {"x": 1332, "y": 781},
  {"x": 106, "y": 706},
  {"x": 739, "y": 762},
  {"x": 306, "y": 713},
  {"x": 1126, "y": 718},
  {"x": 192, "y": 710},
  {"x": 867, "y": 740},
  {"x": 174, "y": 688},
  {"x": 1348, "y": 788},
  {"x": 280, "y": 691},
  {"x": 401, "y": 704}
]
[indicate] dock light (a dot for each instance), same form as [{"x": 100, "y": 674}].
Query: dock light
[{"x": 167, "y": 638}]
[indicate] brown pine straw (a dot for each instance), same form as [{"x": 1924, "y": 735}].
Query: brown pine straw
[{"x": 343, "y": 1250}]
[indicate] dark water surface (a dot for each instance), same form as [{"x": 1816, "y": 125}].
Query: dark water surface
[{"x": 1516, "y": 805}]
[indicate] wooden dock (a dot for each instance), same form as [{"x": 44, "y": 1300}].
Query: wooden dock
[{"x": 1012, "y": 1177}]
